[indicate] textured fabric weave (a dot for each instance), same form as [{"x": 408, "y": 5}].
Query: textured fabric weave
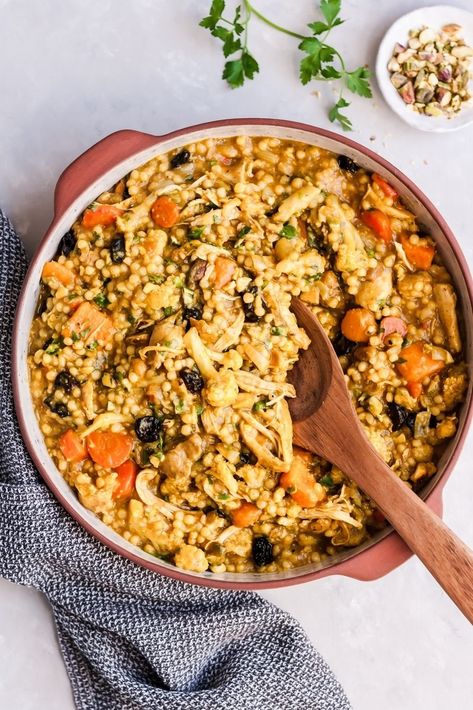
[{"x": 130, "y": 638}]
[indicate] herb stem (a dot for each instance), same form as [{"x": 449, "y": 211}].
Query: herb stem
[{"x": 250, "y": 9}]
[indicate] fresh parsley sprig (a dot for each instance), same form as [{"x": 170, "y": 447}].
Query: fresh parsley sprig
[{"x": 321, "y": 62}]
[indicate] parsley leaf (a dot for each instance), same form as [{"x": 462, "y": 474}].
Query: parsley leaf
[
  {"x": 250, "y": 65},
  {"x": 195, "y": 233},
  {"x": 101, "y": 300},
  {"x": 336, "y": 115},
  {"x": 288, "y": 231},
  {"x": 233, "y": 73},
  {"x": 215, "y": 13},
  {"x": 358, "y": 82},
  {"x": 330, "y": 9}
]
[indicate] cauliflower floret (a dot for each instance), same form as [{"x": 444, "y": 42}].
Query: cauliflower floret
[
  {"x": 222, "y": 390},
  {"x": 453, "y": 386},
  {"x": 192, "y": 558},
  {"x": 374, "y": 293},
  {"x": 240, "y": 544}
]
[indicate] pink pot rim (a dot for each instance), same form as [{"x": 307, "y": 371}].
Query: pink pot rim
[{"x": 381, "y": 556}]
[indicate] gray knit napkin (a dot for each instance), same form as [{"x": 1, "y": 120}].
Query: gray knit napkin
[{"x": 130, "y": 638}]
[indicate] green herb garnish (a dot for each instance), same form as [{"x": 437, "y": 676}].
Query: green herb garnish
[
  {"x": 199, "y": 408},
  {"x": 223, "y": 496},
  {"x": 130, "y": 318},
  {"x": 195, "y": 232},
  {"x": 260, "y": 406},
  {"x": 75, "y": 336},
  {"x": 276, "y": 331},
  {"x": 321, "y": 62},
  {"x": 179, "y": 406},
  {"x": 371, "y": 253},
  {"x": 93, "y": 345},
  {"x": 310, "y": 278},
  {"x": 288, "y": 231},
  {"x": 156, "y": 278},
  {"x": 326, "y": 480},
  {"x": 167, "y": 311},
  {"x": 54, "y": 346},
  {"x": 101, "y": 300},
  {"x": 243, "y": 232}
]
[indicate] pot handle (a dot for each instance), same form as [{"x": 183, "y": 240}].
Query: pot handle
[{"x": 96, "y": 161}]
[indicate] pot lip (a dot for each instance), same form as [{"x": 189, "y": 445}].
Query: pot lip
[{"x": 369, "y": 557}]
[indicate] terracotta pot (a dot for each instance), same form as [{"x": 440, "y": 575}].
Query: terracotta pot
[{"x": 97, "y": 170}]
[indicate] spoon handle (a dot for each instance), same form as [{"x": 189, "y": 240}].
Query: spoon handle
[{"x": 446, "y": 557}]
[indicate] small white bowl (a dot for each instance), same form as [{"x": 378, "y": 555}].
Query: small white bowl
[{"x": 435, "y": 16}]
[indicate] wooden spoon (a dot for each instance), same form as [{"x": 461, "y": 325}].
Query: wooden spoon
[{"x": 325, "y": 422}]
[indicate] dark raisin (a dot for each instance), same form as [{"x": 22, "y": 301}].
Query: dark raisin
[
  {"x": 180, "y": 158},
  {"x": 192, "y": 379},
  {"x": 262, "y": 551},
  {"x": 42, "y": 303},
  {"x": 342, "y": 345},
  {"x": 400, "y": 416},
  {"x": 67, "y": 244},
  {"x": 249, "y": 308},
  {"x": 247, "y": 457},
  {"x": 272, "y": 212},
  {"x": 58, "y": 408},
  {"x": 433, "y": 422},
  {"x": 65, "y": 381},
  {"x": 117, "y": 249},
  {"x": 192, "y": 312},
  {"x": 346, "y": 163},
  {"x": 148, "y": 428}
]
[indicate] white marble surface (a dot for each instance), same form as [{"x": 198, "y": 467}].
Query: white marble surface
[{"x": 72, "y": 72}]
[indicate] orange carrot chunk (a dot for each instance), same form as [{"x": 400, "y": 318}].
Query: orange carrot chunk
[
  {"x": 358, "y": 324},
  {"x": 299, "y": 481},
  {"x": 414, "y": 389},
  {"x": 102, "y": 214},
  {"x": 379, "y": 223},
  {"x": 72, "y": 447},
  {"x": 388, "y": 190},
  {"x": 54, "y": 270},
  {"x": 164, "y": 212},
  {"x": 109, "y": 448},
  {"x": 89, "y": 324},
  {"x": 415, "y": 363},
  {"x": 224, "y": 270},
  {"x": 244, "y": 516},
  {"x": 126, "y": 478},
  {"x": 420, "y": 255}
]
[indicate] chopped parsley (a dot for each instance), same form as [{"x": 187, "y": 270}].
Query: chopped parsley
[
  {"x": 288, "y": 231},
  {"x": 243, "y": 232},
  {"x": 195, "y": 232},
  {"x": 156, "y": 278},
  {"x": 260, "y": 406},
  {"x": 326, "y": 480},
  {"x": 313, "y": 277},
  {"x": 167, "y": 311},
  {"x": 277, "y": 331},
  {"x": 101, "y": 300},
  {"x": 54, "y": 346}
]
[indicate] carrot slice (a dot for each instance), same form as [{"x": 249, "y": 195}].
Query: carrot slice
[
  {"x": 127, "y": 473},
  {"x": 54, "y": 270},
  {"x": 414, "y": 389},
  {"x": 72, "y": 447},
  {"x": 109, "y": 448},
  {"x": 244, "y": 516},
  {"x": 379, "y": 223},
  {"x": 164, "y": 212},
  {"x": 299, "y": 481},
  {"x": 224, "y": 270},
  {"x": 415, "y": 363},
  {"x": 102, "y": 214},
  {"x": 89, "y": 324},
  {"x": 388, "y": 190},
  {"x": 420, "y": 255},
  {"x": 358, "y": 324}
]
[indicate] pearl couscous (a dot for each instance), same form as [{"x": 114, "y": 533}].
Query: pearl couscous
[{"x": 163, "y": 337}]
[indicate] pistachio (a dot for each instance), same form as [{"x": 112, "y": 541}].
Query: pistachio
[
  {"x": 407, "y": 93},
  {"x": 398, "y": 48},
  {"x": 451, "y": 29},
  {"x": 404, "y": 56},
  {"x": 414, "y": 43},
  {"x": 462, "y": 52},
  {"x": 427, "y": 35},
  {"x": 424, "y": 95},
  {"x": 398, "y": 80},
  {"x": 443, "y": 96},
  {"x": 445, "y": 73},
  {"x": 393, "y": 65},
  {"x": 433, "y": 110},
  {"x": 433, "y": 81}
]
